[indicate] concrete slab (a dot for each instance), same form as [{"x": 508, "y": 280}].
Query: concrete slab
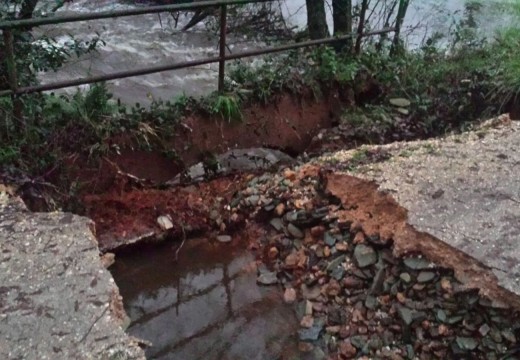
[
  {"x": 462, "y": 189},
  {"x": 56, "y": 299}
]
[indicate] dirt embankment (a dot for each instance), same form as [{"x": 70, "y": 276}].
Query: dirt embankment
[{"x": 289, "y": 123}]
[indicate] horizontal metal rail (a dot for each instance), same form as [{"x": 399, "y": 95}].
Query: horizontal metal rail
[
  {"x": 51, "y": 20},
  {"x": 186, "y": 64}
]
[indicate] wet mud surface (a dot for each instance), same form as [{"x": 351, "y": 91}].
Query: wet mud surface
[
  {"x": 123, "y": 217},
  {"x": 206, "y": 305}
]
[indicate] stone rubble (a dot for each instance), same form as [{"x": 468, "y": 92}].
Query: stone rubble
[{"x": 354, "y": 297}]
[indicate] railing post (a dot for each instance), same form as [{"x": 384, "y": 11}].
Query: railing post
[
  {"x": 12, "y": 76},
  {"x": 222, "y": 48}
]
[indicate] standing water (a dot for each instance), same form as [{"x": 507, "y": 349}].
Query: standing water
[{"x": 204, "y": 306}]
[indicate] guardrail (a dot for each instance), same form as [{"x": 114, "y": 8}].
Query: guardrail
[{"x": 15, "y": 91}]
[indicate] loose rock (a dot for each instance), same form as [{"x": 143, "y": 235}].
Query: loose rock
[
  {"x": 224, "y": 238},
  {"x": 289, "y": 296},
  {"x": 365, "y": 255}
]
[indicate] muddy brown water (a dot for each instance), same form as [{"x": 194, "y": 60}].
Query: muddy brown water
[{"x": 206, "y": 305}]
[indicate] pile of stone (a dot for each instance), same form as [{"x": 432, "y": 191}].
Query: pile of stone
[{"x": 353, "y": 296}]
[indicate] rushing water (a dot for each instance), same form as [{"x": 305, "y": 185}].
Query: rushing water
[
  {"x": 138, "y": 41},
  {"x": 204, "y": 306}
]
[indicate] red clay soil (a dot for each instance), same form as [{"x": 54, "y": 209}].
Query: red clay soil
[
  {"x": 126, "y": 216},
  {"x": 289, "y": 123},
  {"x": 110, "y": 191},
  {"x": 372, "y": 212}
]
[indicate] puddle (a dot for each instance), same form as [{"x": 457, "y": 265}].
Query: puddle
[{"x": 204, "y": 306}]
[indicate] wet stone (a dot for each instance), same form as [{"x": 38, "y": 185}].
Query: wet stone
[
  {"x": 406, "y": 315},
  {"x": 347, "y": 349},
  {"x": 291, "y": 216},
  {"x": 352, "y": 282},
  {"x": 425, "y": 276},
  {"x": 509, "y": 336},
  {"x": 454, "y": 320},
  {"x": 277, "y": 224},
  {"x": 280, "y": 209},
  {"x": 441, "y": 315},
  {"x": 484, "y": 330},
  {"x": 358, "y": 341},
  {"x": 466, "y": 343},
  {"x": 365, "y": 255},
  {"x": 305, "y": 347},
  {"x": 338, "y": 273},
  {"x": 269, "y": 206},
  {"x": 165, "y": 222},
  {"x": 273, "y": 253},
  {"x": 371, "y": 302},
  {"x": 417, "y": 263},
  {"x": 289, "y": 296},
  {"x": 267, "y": 278},
  {"x": 495, "y": 335},
  {"x": 224, "y": 238},
  {"x": 318, "y": 354},
  {"x": 307, "y": 321},
  {"x": 329, "y": 239},
  {"x": 310, "y": 292},
  {"x": 341, "y": 247},
  {"x": 335, "y": 263},
  {"x": 312, "y": 333},
  {"x": 405, "y": 277},
  {"x": 294, "y": 231},
  {"x": 309, "y": 306}
]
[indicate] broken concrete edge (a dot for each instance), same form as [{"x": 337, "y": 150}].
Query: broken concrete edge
[
  {"x": 379, "y": 213},
  {"x": 45, "y": 256}
]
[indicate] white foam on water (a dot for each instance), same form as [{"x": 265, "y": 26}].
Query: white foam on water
[
  {"x": 89, "y": 6},
  {"x": 138, "y": 41}
]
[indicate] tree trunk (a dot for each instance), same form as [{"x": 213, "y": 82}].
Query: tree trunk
[
  {"x": 316, "y": 19},
  {"x": 342, "y": 16},
  {"x": 27, "y": 9},
  {"x": 361, "y": 25},
  {"x": 384, "y": 36},
  {"x": 401, "y": 13}
]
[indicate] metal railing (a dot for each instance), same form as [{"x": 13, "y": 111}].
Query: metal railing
[{"x": 14, "y": 90}]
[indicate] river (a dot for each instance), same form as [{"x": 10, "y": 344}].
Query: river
[{"x": 139, "y": 41}]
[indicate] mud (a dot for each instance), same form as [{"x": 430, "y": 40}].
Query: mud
[{"x": 127, "y": 215}]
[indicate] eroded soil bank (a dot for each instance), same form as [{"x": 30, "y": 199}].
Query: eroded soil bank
[{"x": 288, "y": 123}]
